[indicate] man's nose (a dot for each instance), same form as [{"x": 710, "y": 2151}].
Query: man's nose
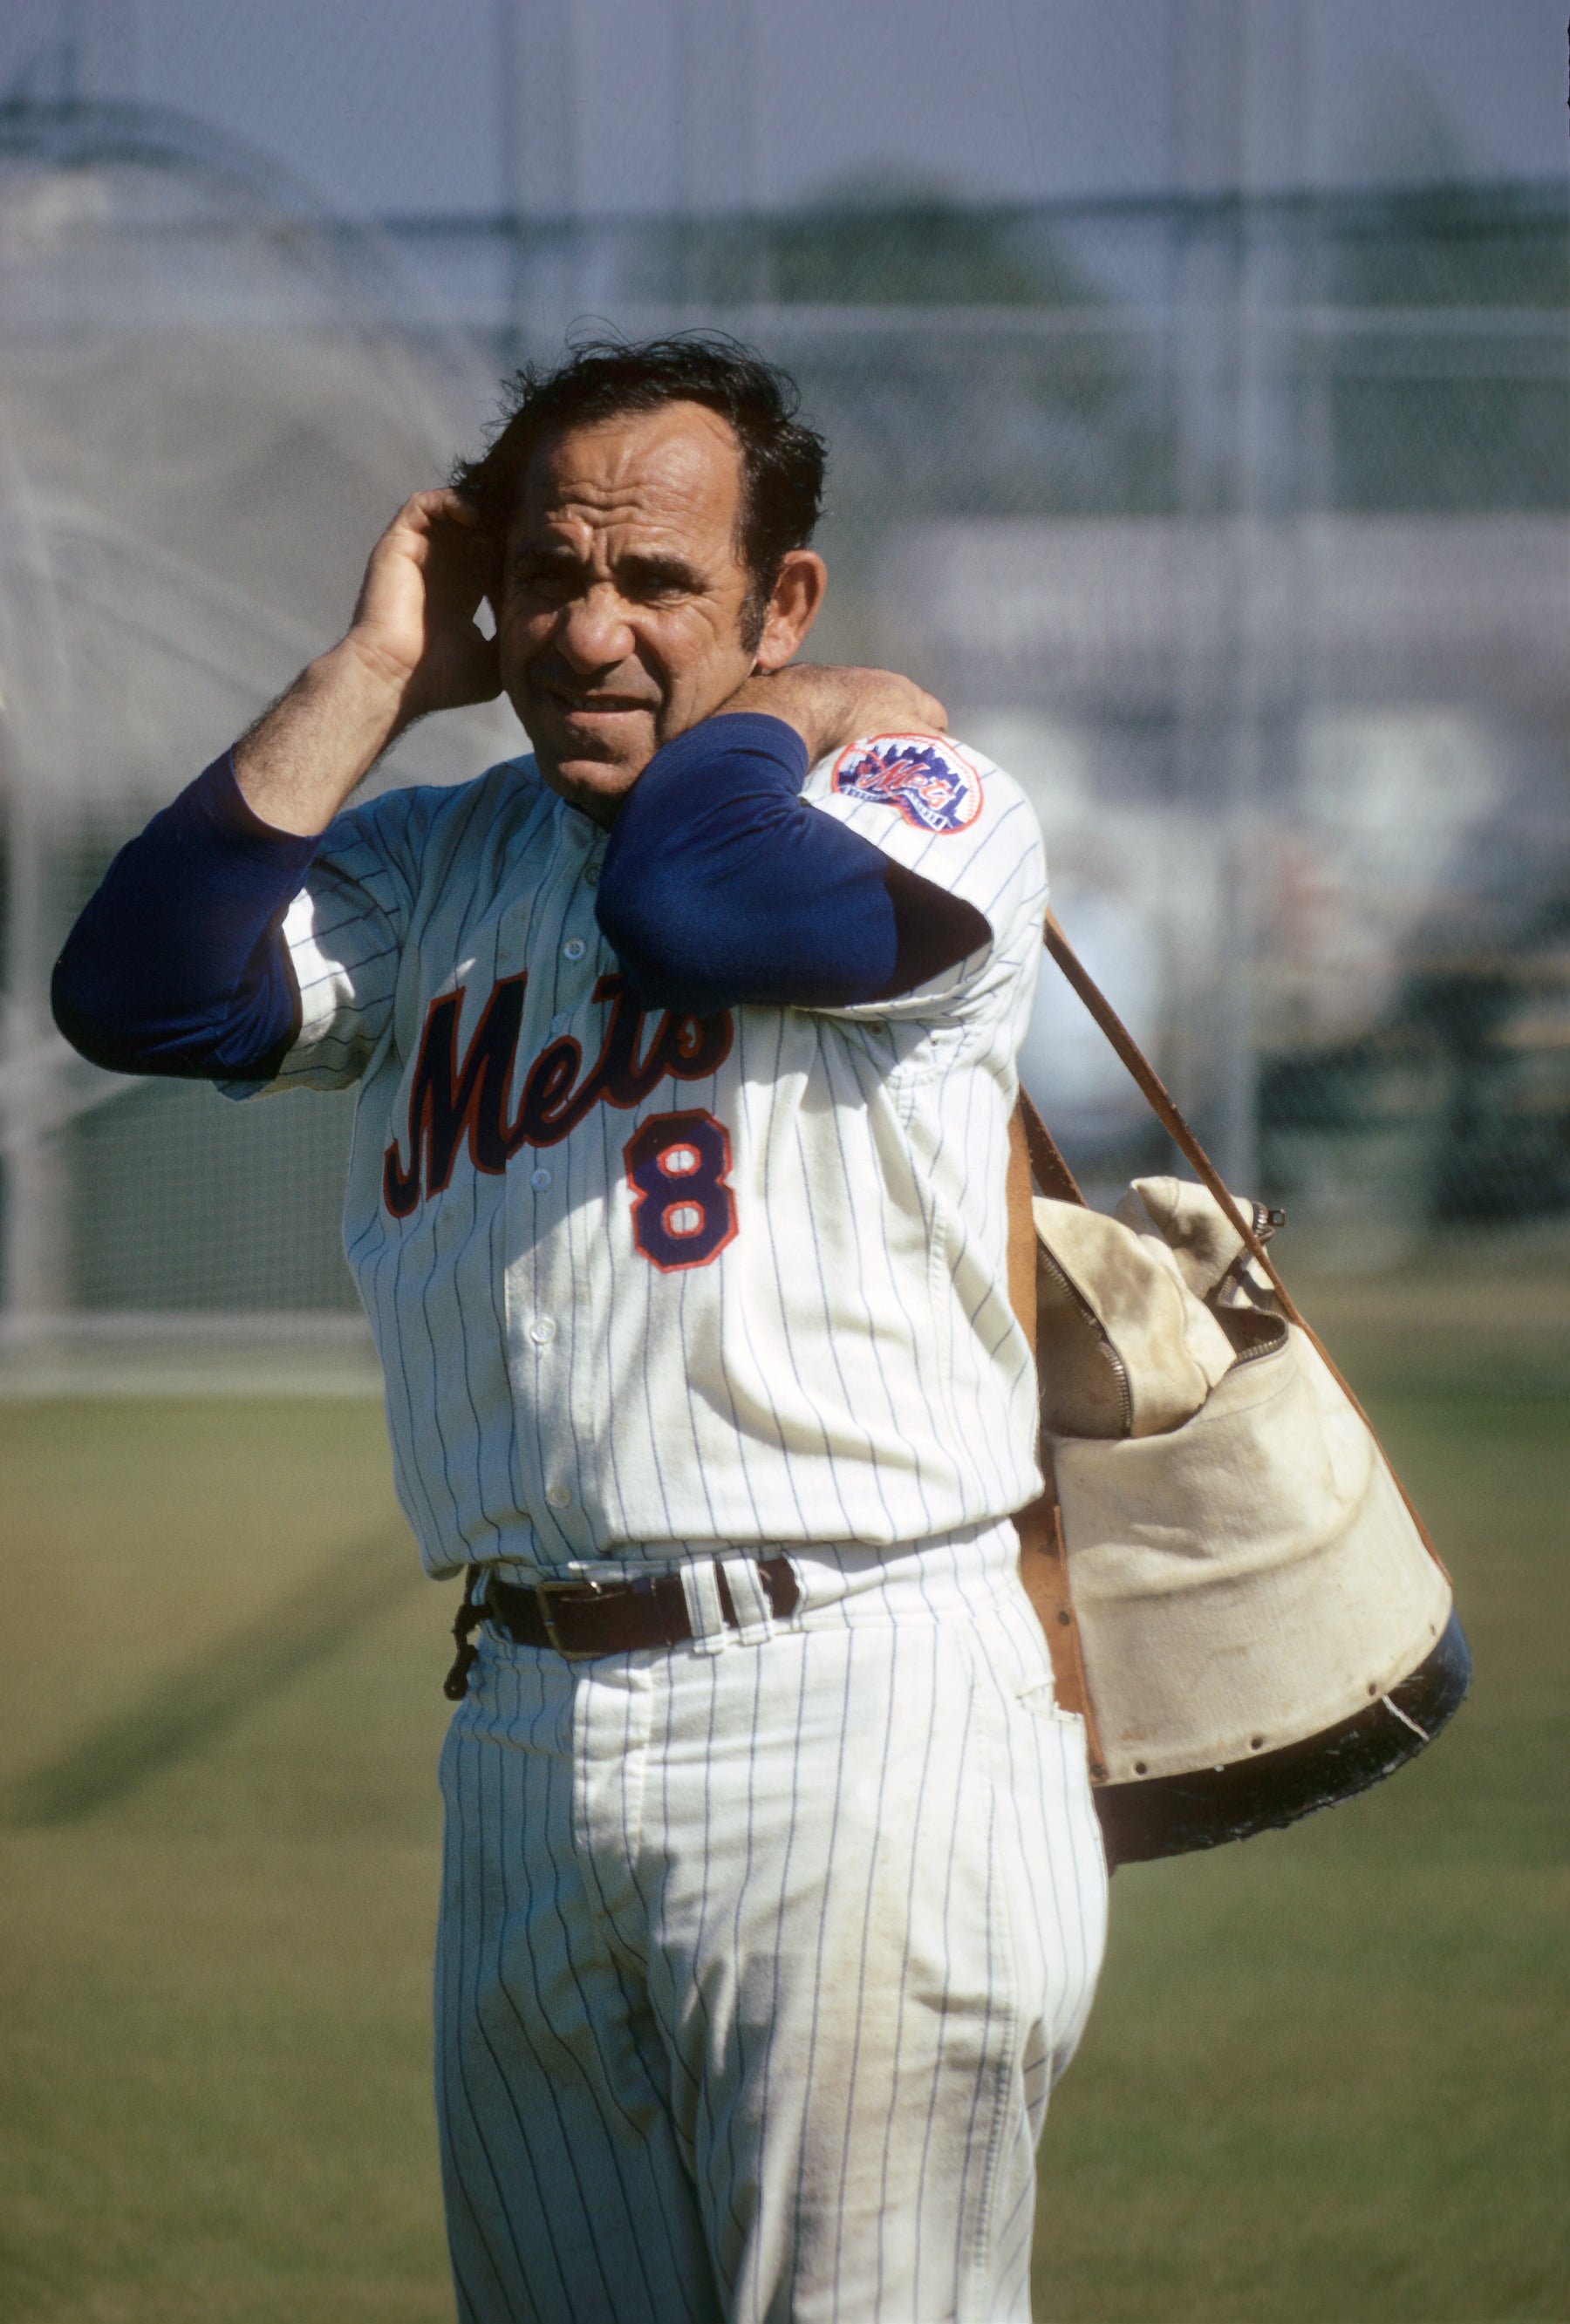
[{"x": 594, "y": 631}]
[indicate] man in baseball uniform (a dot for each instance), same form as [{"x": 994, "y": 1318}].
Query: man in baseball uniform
[{"x": 774, "y": 1895}]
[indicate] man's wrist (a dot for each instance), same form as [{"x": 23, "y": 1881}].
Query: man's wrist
[
  {"x": 358, "y": 667},
  {"x": 300, "y": 762},
  {"x": 806, "y": 698}
]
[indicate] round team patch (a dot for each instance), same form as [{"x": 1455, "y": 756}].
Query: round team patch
[{"x": 929, "y": 783}]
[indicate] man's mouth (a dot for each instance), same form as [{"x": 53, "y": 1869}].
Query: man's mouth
[{"x": 595, "y": 707}]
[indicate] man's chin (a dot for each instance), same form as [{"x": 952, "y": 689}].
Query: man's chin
[{"x": 596, "y": 785}]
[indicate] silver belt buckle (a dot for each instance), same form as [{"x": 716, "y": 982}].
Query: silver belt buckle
[{"x": 545, "y": 1592}]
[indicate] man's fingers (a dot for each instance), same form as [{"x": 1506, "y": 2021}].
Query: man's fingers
[
  {"x": 439, "y": 505},
  {"x": 422, "y": 586},
  {"x": 898, "y": 701},
  {"x": 427, "y": 522}
]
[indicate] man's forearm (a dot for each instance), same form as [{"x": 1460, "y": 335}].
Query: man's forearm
[
  {"x": 829, "y": 704},
  {"x": 178, "y": 963},
  {"x": 301, "y": 759}
]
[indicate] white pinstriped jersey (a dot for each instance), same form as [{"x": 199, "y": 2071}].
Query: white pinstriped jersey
[{"x": 641, "y": 1285}]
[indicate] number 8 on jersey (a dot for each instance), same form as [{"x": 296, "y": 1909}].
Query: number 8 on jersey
[{"x": 684, "y": 1212}]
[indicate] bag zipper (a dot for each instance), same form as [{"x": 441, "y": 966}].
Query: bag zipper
[
  {"x": 1255, "y": 1352},
  {"x": 1105, "y": 1346}
]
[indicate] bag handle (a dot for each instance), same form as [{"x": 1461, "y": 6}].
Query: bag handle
[
  {"x": 1157, "y": 1097},
  {"x": 1051, "y": 1172},
  {"x": 1043, "y": 1555}
]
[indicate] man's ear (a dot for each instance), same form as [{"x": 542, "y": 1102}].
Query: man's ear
[{"x": 793, "y": 604}]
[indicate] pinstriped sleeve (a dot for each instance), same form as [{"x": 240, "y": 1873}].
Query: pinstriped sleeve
[
  {"x": 948, "y": 814},
  {"x": 345, "y": 932}
]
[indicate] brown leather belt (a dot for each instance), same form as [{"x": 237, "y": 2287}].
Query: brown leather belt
[{"x": 583, "y": 1619}]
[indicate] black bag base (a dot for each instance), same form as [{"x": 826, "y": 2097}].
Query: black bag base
[{"x": 1172, "y": 1815}]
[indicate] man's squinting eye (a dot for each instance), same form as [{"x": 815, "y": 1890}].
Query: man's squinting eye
[{"x": 543, "y": 577}]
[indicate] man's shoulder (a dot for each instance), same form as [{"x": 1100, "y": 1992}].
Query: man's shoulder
[
  {"x": 950, "y": 814},
  {"x": 511, "y": 788},
  {"x": 938, "y": 786},
  {"x": 414, "y": 828},
  {"x": 944, "y": 810}
]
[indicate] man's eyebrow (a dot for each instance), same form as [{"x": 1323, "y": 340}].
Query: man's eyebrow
[
  {"x": 652, "y": 566},
  {"x": 542, "y": 552},
  {"x": 640, "y": 565}
]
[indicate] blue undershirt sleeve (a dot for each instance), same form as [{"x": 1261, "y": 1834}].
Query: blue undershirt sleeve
[
  {"x": 179, "y": 965},
  {"x": 722, "y": 885}
]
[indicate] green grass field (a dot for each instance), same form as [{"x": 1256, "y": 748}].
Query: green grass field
[{"x": 1325, "y": 2079}]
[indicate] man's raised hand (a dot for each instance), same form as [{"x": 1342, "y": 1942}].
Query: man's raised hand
[
  {"x": 412, "y": 648},
  {"x": 414, "y": 619}
]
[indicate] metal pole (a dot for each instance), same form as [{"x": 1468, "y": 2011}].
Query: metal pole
[
  {"x": 1201, "y": 126},
  {"x": 539, "y": 135},
  {"x": 510, "y": 204},
  {"x": 717, "y": 141},
  {"x": 35, "y": 1256},
  {"x": 1223, "y": 380},
  {"x": 35, "y": 1240},
  {"x": 1248, "y": 613}
]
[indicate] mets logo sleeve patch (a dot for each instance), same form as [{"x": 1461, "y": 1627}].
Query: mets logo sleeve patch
[{"x": 918, "y": 775}]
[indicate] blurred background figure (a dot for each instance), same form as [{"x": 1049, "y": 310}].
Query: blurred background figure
[{"x": 1198, "y": 387}]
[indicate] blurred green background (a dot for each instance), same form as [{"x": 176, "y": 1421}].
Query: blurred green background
[{"x": 1325, "y": 2075}]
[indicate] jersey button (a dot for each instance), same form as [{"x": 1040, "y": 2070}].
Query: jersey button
[
  {"x": 574, "y": 948},
  {"x": 591, "y": 878},
  {"x": 543, "y": 1330},
  {"x": 559, "y": 1496},
  {"x": 540, "y": 1179}
]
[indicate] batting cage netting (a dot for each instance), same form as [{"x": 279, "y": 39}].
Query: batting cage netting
[{"x": 1237, "y": 528}]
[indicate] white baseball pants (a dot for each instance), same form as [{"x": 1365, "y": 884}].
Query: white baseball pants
[{"x": 758, "y": 1956}]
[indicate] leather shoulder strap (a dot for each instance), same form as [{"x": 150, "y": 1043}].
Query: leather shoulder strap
[
  {"x": 1043, "y": 1558},
  {"x": 1157, "y": 1098},
  {"x": 1052, "y": 1173},
  {"x": 1022, "y": 1225},
  {"x": 1154, "y": 1093}
]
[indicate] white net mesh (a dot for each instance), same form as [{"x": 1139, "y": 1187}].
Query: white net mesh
[
  {"x": 211, "y": 408},
  {"x": 1239, "y": 532}
]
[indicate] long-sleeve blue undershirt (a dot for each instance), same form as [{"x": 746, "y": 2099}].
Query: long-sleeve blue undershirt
[
  {"x": 178, "y": 964},
  {"x": 720, "y": 885}
]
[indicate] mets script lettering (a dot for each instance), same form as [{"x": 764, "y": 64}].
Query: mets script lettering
[{"x": 449, "y": 1101}]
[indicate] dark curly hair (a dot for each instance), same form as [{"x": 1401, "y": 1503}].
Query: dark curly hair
[{"x": 783, "y": 458}]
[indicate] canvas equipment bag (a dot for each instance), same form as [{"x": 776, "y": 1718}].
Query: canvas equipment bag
[{"x": 1238, "y": 1596}]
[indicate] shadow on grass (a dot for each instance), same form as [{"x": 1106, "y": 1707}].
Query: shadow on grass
[{"x": 199, "y": 1701}]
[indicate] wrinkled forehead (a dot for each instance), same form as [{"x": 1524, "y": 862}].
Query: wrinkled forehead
[{"x": 673, "y": 473}]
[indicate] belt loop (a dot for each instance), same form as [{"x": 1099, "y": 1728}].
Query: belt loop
[
  {"x": 755, "y": 1614},
  {"x": 700, "y": 1588}
]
